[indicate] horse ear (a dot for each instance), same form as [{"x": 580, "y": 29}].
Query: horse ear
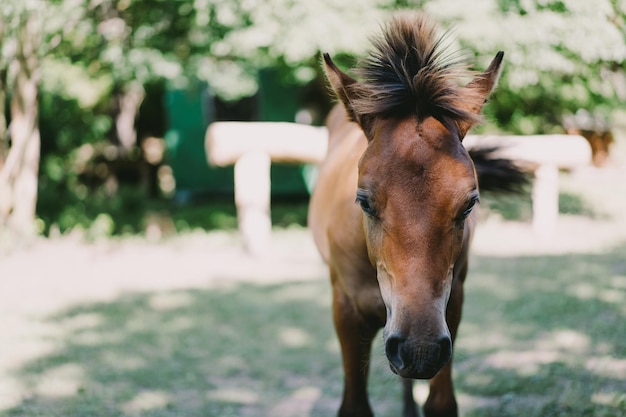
[
  {"x": 487, "y": 81},
  {"x": 481, "y": 87},
  {"x": 341, "y": 84}
]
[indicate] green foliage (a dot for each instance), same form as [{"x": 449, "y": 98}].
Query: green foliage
[
  {"x": 223, "y": 42},
  {"x": 510, "y": 207},
  {"x": 570, "y": 203},
  {"x": 240, "y": 37},
  {"x": 560, "y": 56},
  {"x": 66, "y": 206},
  {"x": 519, "y": 207}
]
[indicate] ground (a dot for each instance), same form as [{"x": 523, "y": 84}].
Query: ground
[{"x": 191, "y": 326}]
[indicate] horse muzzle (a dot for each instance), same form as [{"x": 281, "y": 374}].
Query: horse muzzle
[{"x": 417, "y": 360}]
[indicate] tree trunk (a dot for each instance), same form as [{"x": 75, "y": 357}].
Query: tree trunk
[
  {"x": 129, "y": 101},
  {"x": 19, "y": 174},
  {"x": 4, "y": 139}
]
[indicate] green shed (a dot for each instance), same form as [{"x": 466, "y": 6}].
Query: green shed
[{"x": 190, "y": 111}]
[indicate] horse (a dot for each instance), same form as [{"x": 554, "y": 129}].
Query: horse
[{"x": 392, "y": 213}]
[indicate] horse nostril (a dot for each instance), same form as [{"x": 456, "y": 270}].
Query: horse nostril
[
  {"x": 445, "y": 350},
  {"x": 393, "y": 348}
]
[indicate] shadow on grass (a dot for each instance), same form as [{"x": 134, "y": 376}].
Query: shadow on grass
[
  {"x": 241, "y": 351},
  {"x": 545, "y": 336},
  {"x": 541, "y": 336}
]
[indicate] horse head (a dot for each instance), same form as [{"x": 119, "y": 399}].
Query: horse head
[{"x": 417, "y": 185}]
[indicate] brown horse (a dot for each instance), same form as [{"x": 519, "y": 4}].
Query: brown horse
[{"x": 398, "y": 258}]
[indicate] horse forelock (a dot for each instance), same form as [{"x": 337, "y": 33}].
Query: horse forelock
[{"x": 412, "y": 71}]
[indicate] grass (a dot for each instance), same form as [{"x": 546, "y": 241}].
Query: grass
[
  {"x": 541, "y": 336},
  {"x": 544, "y": 335},
  {"x": 201, "y": 353}
]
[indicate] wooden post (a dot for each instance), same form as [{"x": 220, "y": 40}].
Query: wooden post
[
  {"x": 545, "y": 196},
  {"x": 282, "y": 141},
  {"x": 252, "y": 198},
  {"x": 252, "y": 147}
]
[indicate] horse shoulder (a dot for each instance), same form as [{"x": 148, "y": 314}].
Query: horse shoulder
[
  {"x": 335, "y": 188},
  {"x": 337, "y": 223}
]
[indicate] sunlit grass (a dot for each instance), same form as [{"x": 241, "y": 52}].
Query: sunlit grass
[
  {"x": 540, "y": 333},
  {"x": 541, "y": 336}
]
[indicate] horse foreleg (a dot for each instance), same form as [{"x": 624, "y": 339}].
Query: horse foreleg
[
  {"x": 441, "y": 401},
  {"x": 408, "y": 405},
  {"x": 355, "y": 337}
]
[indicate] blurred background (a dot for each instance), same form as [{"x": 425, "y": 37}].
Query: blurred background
[
  {"x": 104, "y": 104},
  {"x": 124, "y": 287}
]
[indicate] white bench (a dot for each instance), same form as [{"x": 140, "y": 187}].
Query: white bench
[{"x": 253, "y": 146}]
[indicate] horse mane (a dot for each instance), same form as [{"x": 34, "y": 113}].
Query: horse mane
[{"x": 410, "y": 71}]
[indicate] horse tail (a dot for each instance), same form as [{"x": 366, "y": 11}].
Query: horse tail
[{"x": 498, "y": 175}]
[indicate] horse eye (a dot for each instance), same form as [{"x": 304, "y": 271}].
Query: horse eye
[
  {"x": 365, "y": 206},
  {"x": 469, "y": 207},
  {"x": 363, "y": 200}
]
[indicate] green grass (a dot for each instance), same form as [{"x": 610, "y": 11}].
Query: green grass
[
  {"x": 545, "y": 335},
  {"x": 541, "y": 336}
]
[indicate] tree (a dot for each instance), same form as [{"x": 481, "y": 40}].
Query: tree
[
  {"x": 26, "y": 34},
  {"x": 134, "y": 45},
  {"x": 231, "y": 40},
  {"x": 560, "y": 55},
  {"x": 4, "y": 138},
  {"x": 18, "y": 177}
]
